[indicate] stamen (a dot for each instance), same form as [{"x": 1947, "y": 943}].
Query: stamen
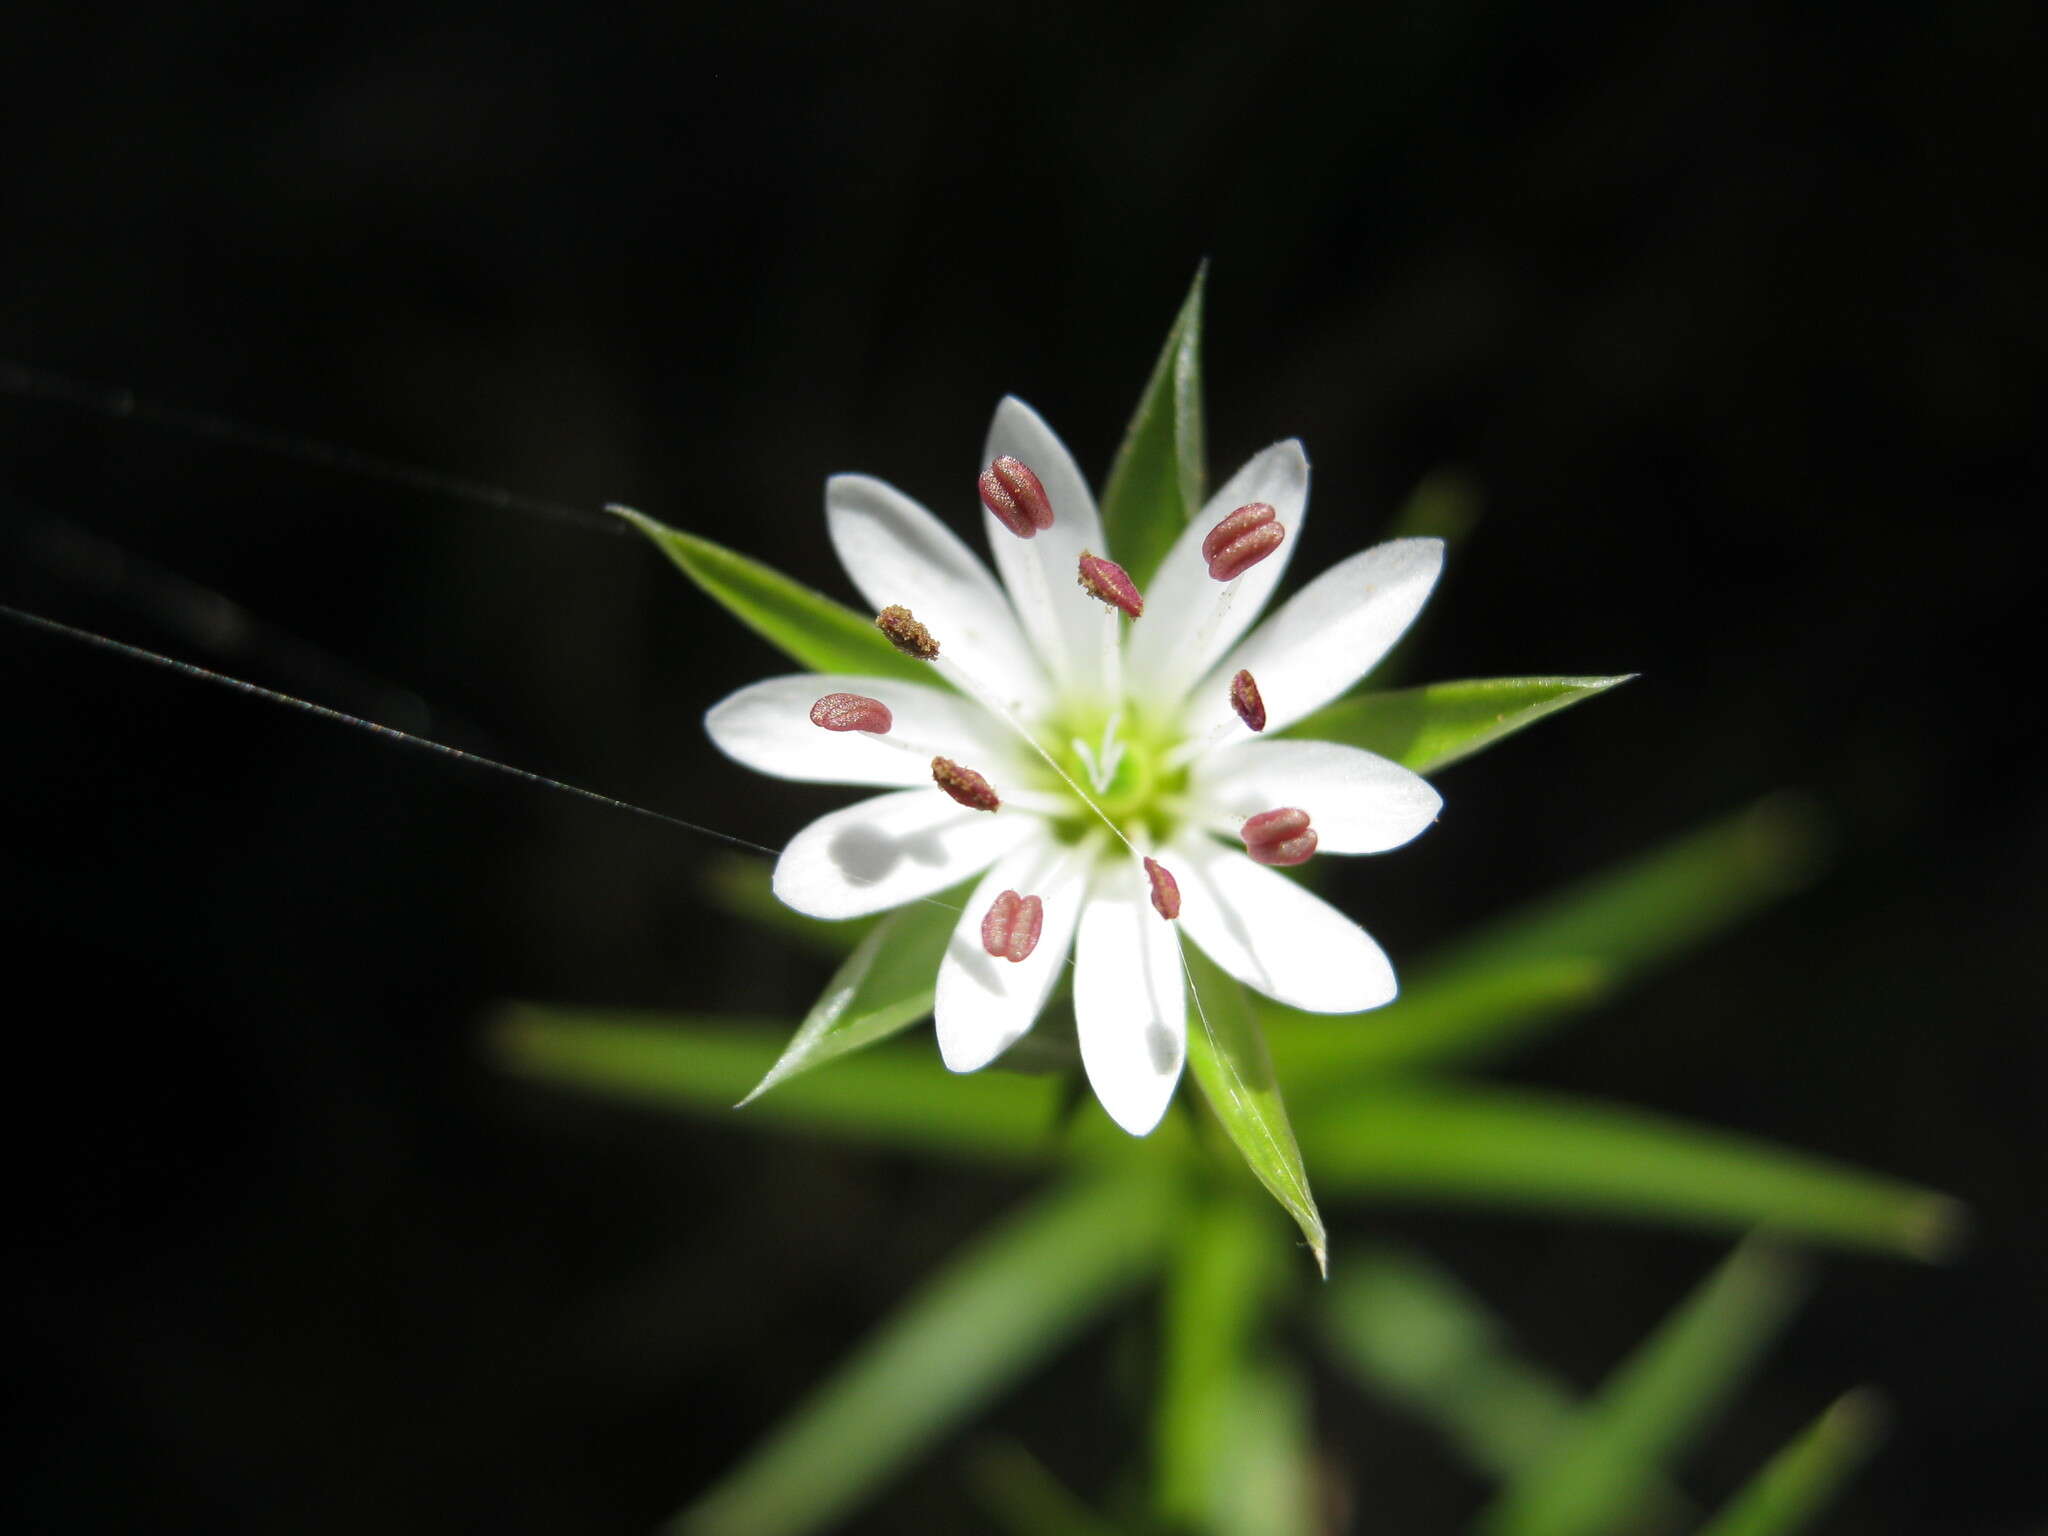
[
  {"x": 1165, "y": 890},
  {"x": 1015, "y": 497},
  {"x": 964, "y": 785},
  {"x": 852, "y": 712},
  {"x": 906, "y": 634},
  {"x": 1281, "y": 836},
  {"x": 1010, "y": 931},
  {"x": 1242, "y": 540},
  {"x": 1107, "y": 582},
  {"x": 1244, "y": 698}
]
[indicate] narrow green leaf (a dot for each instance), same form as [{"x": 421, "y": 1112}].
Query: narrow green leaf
[
  {"x": 1268, "y": 1474},
  {"x": 1417, "y": 1140},
  {"x": 1411, "y": 1333},
  {"x": 1219, "y": 1275},
  {"x": 1667, "y": 1392},
  {"x": 1019, "y": 1494},
  {"x": 1518, "y": 973},
  {"x": 984, "y": 1320},
  {"x": 1796, "y": 1485},
  {"x": 1160, "y": 476},
  {"x": 883, "y": 987},
  {"x": 1433, "y": 726},
  {"x": 1228, "y": 1056},
  {"x": 894, "y": 1097},
  {"x": 817, "y": 632}
]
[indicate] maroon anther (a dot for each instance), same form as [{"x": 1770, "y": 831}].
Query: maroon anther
[
  {"x": 1280, "y": 836},
  {"x": 1107, "y": 582},
  {"x": 906, "y": 634},
  {"x": 964, "y": 785},
  {"x": 1015, "y": 497},
  {"x": 1165, "y": 890},
  {"x": 1244, "y": 698},
  {"x": 1010, "y": 931},
  {"x": 1242, "y": 540},
  {"x": 852, "y": 712}
]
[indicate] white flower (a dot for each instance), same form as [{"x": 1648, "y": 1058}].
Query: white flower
[{"x": 1107, "y": 740}]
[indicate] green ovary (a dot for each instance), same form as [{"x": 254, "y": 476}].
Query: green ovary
[{"x": 1142, "y": 796}]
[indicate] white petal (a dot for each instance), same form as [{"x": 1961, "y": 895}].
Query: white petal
[
  {"x": 1329, "y": 635},
  {"x": 1129, "y": 1004},
  {"x": 897, "y": 552},
  {"x": 1191, "y": 618},
  {"x": 1276, "y": 937},
  {"x": 767, "y": 727},
  {"x": 1063, "y": 621},
  {"x": 892, "y": 849},
  {"x": 1357, "y": 801},
  {"x": 983, "y": 1005}
]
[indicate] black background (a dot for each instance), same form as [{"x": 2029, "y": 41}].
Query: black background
[{"x": 1729, "y": 308}]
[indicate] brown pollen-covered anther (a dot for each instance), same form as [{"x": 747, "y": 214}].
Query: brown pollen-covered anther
[
  {"x": 1165, "y": 890},
  {"x": 1108, "y": 582},
  {"x": 852, "y": 712},
  {"x": 1244, "y": 698},
  {"x": 906, "y": 634},
  {"x": 964, "y": 785},
  {"x": 1242, "y": 540},
  {"x": 1282, "y": 836},
  {"x": 1010, "y": 931},
  {"x": 1015, "y": 497}
]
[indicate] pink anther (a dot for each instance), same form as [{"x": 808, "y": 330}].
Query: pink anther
[
  {"x": 1242, "y": 540},
  {"x": 1010, "y": 931},
  {"x": 1281, "y": 836},
  {"x": 964, "y": 785},
  {"x": 1015, "y": 497},
  {"x": 852, "y": 712},
  {"x": 1244, "y": 698},
  {"x": 1165, "y": 890},
  {"x": 1107, "y": 582}
]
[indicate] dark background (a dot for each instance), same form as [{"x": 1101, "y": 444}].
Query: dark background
[{"x": 1727, "y": 307}]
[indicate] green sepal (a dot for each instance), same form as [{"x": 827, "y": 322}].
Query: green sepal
[
  {"x": 808, "y": 626},
  {"x": 1433, "y": 726},
  {"x": 1228, "y": 1056},
  {"x": 1160, "y": 477},
  {"x": 882, "y": 988}
]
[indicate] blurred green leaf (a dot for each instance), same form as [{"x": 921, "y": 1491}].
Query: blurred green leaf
[
  {"x": 1559, "y": 953},
  {"x": 1667, "y": 1392},
  {"x": 1220, "y": 1273},
  {"x": 1267, "y": 1476},
  {"x": 1019, "y": 1495},
  {"x": 884, "y": 987},
  {"x": 892, "y": 1097},
  {"x": 1796, "y": 1485},
  {"x": 1160, "y": 475},
  {"x": 976, "y": 1326},
  {"x": 810, "y": 627},
  {"x": 1413, "y": 1334},
  {"x": 1434, "y": 726},
  {"x": 1228, "y": 1056},
  {"x": 1401, "y": 1139},
  {"x": 1321, "y": 1053}
]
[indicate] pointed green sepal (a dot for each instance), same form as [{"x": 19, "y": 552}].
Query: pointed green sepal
[
  {"x": 1160, "y": 477},
  {"x": 1434, "y": 726}
]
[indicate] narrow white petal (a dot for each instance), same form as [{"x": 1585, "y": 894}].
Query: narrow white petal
[
  {"x": 767, "y": 727},
  {"x": 892, "y": 849},
  {"x": 1276, "y": 937},
  {"x": 1327, "y": 636},
  {"x": 1357, "y": 801},
  {"x": 983, "y": 1005},
  {"x": 1190, "y": 618},
  {"x": 897, "y": 552},
  {"x": 1129, "y": 1004},
  {"x": 1064, "y": 622}
]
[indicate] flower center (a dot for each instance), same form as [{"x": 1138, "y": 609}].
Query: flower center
[{"x": 1127, "y": 768}]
